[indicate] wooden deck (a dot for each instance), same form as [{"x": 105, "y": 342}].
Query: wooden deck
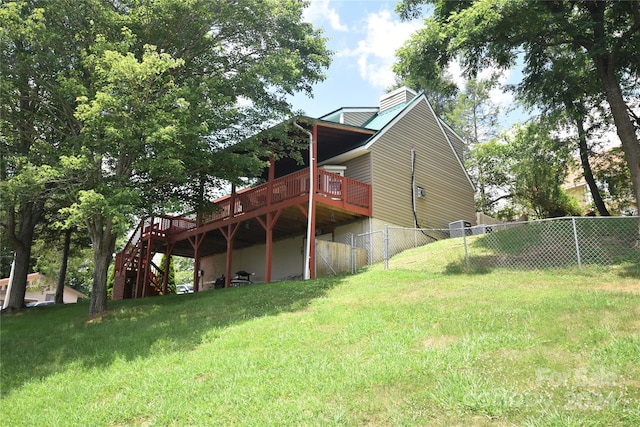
[
  {"x": 279, "y": 205},
  {"x": 344, "y": 193}
]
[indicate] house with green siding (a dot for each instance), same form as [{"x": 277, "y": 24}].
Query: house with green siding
[{"x": 396, "y": 164}]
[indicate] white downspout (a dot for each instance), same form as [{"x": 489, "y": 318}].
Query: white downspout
[{"x": 307, "y": 250}]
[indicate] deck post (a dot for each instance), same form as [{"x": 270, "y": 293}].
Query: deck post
[
  {"x": 147, "y": 265},
  {"x": 272, "y": 177},
  {"x": 268, "y": 224},
  {"x": 269, "y": 243},
  {"x": 195, "y": 243},
  {"x": 232, "y": 201},
  {"x": 229, "y": 235}
]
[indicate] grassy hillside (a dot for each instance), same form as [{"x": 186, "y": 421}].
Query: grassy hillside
[{"x": 421, "y": 344}]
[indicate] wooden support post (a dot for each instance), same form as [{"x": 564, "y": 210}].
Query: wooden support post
[
  {"x": 232, "y": 201},
  {"x": 137, "y": 292},
  {"x": 147, "y": 267},
  {"x": 272, "y": 174},
  {"x": 196, "y": 241},
  {"x": 229, "y": 235},
  {"x": 268, "y": 224}
]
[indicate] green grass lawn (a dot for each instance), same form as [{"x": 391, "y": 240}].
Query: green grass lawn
[{"x": 420, "y": 344}]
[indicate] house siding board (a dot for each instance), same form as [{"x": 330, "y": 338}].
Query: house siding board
[
  {"x": 399, "y": 96},
  {"x": 359, "y": 168},
  {"x": 438, "y": 171},
  {"x": 357, "y": 118},
  {"x": 457, "y": 143}
]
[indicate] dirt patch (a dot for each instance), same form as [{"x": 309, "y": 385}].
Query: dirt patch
[
  {"x": 440, "y": 341},
  {"x": 97, "y": 318},
  {"x": 623, "y": 286}
]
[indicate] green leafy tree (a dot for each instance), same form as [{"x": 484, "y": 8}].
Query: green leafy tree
[
  {"x": 40, "y": 45},
  {"x": 160, "y": 117},
  {"x": 130, "y": 126},
  {"x": 183, "y": 269},
  {"x": 490, "y": 162},
  {"x": 475, "y": 115},
  {"x": 611, "y": 171},
  {"x": 493, "y": 33},
  {"x": 567, "y": 92},
  {"x": 522, "y": 172},
  {"x": 539, "y": 165},
  {"x": 150, "y": 95}
]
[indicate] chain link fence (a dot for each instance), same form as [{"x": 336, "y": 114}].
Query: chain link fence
[
  {"x": 373, "y": 243},
  {"x": 558, "y": 242},
  {"x": 561, "y": 242}
]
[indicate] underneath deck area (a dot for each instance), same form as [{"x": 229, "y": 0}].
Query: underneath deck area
[{"x": 262, "y": 215}]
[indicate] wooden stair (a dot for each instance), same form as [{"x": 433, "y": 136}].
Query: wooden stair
[{"x": 136, "y": 275}]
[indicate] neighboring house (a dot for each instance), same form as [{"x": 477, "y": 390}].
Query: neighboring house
[
  {"x": 611, "y": 165},
  {"x": 396, "y": 164},
  {"x": 41, "y": 288}
]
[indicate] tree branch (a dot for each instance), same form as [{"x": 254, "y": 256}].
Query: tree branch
[{"x": 632, "y": 29}]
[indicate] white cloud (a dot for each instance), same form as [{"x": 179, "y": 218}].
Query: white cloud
[
  {"x": 384, "y": 34},
  {"x": 319, "y": 11}
]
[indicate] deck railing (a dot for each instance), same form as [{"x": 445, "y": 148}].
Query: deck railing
[
  {"x": 348, "y": 190},
  {"x": 327, "y": 184},
  {"x": 153, "y": 226}
]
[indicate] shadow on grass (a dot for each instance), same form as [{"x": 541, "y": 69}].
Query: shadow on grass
[
  {"x": 484, "y": 264},
  {"x": 455, "y": 268},
  {"x": 631, "y": 270},
  {"x": 41, "y": 342}
]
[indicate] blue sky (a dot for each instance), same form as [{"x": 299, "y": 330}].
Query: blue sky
[{"x": 364, "y": 35}]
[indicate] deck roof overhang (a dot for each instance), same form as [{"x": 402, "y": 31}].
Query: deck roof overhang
[
  {"x": 291, "y": 223},
  {"x": 333, "y": 140}
]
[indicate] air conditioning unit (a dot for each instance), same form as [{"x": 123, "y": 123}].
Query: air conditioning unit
[
  {"x": 421, "y": 193},
  {"x": 459, "y": 228}
]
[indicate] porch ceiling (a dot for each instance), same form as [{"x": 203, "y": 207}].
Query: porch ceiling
[
  {"x": 291, "y": 223},
  {"x": 333, "y": 139}
]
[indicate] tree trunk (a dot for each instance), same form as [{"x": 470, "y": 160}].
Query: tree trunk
[
  {"x": 103, "y": 241},
  {"x": 19, "y": 282},
  {"x": 624, "y": 125},
  {"x": 588, "y": 173},
  {"x": 62, "y": 275},
  {"x": 20, "y": 236}
]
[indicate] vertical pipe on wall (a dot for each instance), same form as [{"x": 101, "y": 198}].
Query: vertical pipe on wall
[
  {"x": 307, "y": 254},
  {"x": 413, "y": 187}
]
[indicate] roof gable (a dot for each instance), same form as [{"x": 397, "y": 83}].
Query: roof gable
[{"x": 386, "y": 119}]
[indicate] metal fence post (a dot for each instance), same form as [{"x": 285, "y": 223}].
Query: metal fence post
[
  {"x": 466, "y": 251},
  {"x": 353, "y": 253},
  {"x": 575, "y": 237},
  {"x": 385, "y": 240}
]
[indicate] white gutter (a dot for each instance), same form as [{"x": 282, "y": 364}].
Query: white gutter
[{"x": 307, "y": 250}]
